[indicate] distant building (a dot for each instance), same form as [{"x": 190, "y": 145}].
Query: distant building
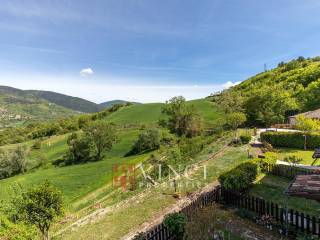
[{"x": 311, "y": 114}]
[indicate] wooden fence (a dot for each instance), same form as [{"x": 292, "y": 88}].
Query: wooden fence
[
  {"x": 282, "y": 218},
  {"x": 160, "y": 232},
  {"x": 280, "y": 214},
  {"x": 286, "y": 171}
]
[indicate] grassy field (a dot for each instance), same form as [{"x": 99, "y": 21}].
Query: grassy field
[
  {"x": 129, "y": 217},
  {"x": 273, "y": 188},
  {"x": 305, "y": 155},
  {"x": 137, "y": 114},
  {"x": 151, "y": 113},
  {"x": 75, "y": 181}
]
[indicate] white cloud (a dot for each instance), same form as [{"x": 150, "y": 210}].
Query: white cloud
[
  {"x": 229, "y": 84},
  {"x": 85, "y": 72}
]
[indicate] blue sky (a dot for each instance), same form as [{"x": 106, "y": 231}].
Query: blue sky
[{"x": 148, "y": 50}]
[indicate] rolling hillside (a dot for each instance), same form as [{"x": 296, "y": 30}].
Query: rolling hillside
[
  {"x": 18, "y": 107},
  {"x": 74, "y": 103},
  {"x": 77, "y": 181},
  {"x": 151, "y": 113},
  {"x": 113, "y": 102},
  {"x": 271, "y": 96}
]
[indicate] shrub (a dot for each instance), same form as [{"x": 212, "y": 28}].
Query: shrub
[
  {"x": 291, "y": 140},
  {"x": 176, "y": 224},
  {"x": 15, "y": 231},
  {"x": 147, "y": 141},
  {"x": 190, "y": 147},
  {"x": 245, "y": 138},
  {"x": 239, "y": 178},
  {"x": 80, "y": 150},
  {"x": 13, "y": 162}
]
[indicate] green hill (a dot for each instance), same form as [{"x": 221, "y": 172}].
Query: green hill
[
  {"x": 114, "y": 102},
  {"x": 18, "y": 107},
  {"x": 271, "y": 96},
  {"x": 151, "y": 113},
  {"x": 74, "y": 103}
]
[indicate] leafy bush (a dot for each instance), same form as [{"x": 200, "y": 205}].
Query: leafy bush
[
  {"x": 182, "y": 119},
  {"x": 80, "y": 150},
  {"x": 245, "y": 138},
  {"x": 40, "y": 206},
  {"x": 291, "y": 140},
  {"x": 176, "y": 224},
  {"x": 15, "y": 231},
  {"x": 190, "y": 147},
  {"x": 97, "y": 138},
  {"x": 239, "y": 178},
  {"x": 147, "y": 141},
  {"x": 13, "y": 162}
]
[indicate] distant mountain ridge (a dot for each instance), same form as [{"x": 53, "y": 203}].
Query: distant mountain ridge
[
  {"x": 74, "y": 103},
  {"x": 113, "y": 102},
  {"x": 18, "y": 105}
]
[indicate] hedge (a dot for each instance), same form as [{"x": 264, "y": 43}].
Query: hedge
[
  {"x": 239, "y": 178},
  {"x": 291, "y": 139}
]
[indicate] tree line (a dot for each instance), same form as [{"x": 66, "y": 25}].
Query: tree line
[{"x": 270, "y": 97}]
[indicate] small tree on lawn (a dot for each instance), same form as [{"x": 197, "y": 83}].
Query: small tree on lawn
[
  {"x": 293, "y": 159},
  {"x": 40, "y": 206},
  {"x": 234, "y": 120},
  {"x": 306, "y": 125},
  {"x": 102, "y": 135}
]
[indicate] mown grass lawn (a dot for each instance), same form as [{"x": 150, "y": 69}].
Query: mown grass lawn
[
  {"x": 282, "y": 153},
  {"x": 273, "y": 188}
]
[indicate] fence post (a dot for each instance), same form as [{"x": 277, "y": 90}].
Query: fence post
[
  {"x": 308, "y": 224},
  {"x": 302, "y": 222},
  {"x": 297, "y": 220}
]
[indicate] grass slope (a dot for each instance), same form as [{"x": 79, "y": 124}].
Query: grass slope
[
  {"x": 75, "y": 181},
  {"x": 151, "y": 113},
  {"x": 17, "y": 107}
]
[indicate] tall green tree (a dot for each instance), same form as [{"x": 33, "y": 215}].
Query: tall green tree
[
  {"x": 267, "y": 106},
  {"x": 183, "y": 119},
  {"x": 81, "y": 149},
  {"x": 234, "y": 120},
  {"x": 102, "y": 135},
  {"x": 230, "y": 101}
]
